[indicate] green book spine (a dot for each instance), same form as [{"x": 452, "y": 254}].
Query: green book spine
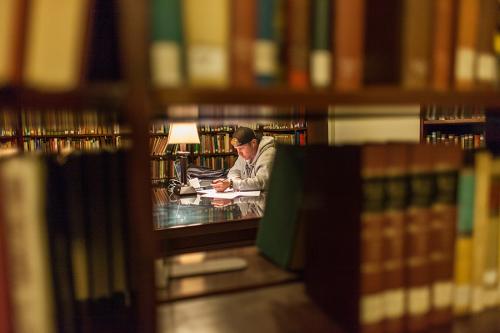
[{"x": 167, "y": 42}]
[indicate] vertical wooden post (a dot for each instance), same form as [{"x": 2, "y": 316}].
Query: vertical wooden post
[{"x": 134, "y": 44}]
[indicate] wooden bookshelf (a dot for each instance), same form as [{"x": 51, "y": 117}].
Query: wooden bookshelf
[
  {"x": 466, "y": 129},
  {"x": 101, "y": 96},
  {"x": 324, "y": 98}
]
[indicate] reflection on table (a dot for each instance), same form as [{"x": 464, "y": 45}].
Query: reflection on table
[{"x": 194, "y": 223}]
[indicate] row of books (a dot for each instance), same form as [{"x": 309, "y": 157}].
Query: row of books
[
  {"x": 215, "y": 162},
  {"x": 392, "y": 237},
  {"x": 162, "y": 127},
  {"x": 285, "y": 125},
  {"x": 162, "y": 169},
  {"x": 62, "y": 122},
  {"x": 464, "y": 141},
  {"x": 434, "y": 112},
  {"x": 297, "y": 138},
  {"x": 8, "y": 121},
  {"x": 63, "y": 245},
  {"x": 322, "y": 43},
  {"x": 58, "y": 46},
  {"x": 58, "y": 145}
]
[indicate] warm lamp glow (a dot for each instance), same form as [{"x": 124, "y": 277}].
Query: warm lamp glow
[{"x": 183, "y": 133}]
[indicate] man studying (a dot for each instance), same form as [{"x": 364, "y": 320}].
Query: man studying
[{"x": 251, "y": 170}]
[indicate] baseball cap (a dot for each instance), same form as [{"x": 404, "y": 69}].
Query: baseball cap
[{"x": 242, "y": 135}]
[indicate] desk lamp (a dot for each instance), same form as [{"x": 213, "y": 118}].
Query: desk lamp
[{"x": 182, "y": 134}]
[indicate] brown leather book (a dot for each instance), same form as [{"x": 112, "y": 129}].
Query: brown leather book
[
  {"x": 442, "y": 48},
  {"x": 416, "y": 43},
  {"x": 343, "y": 207},
  {"x": 298, "y": 43},
  {"x": 418, "y": 295},
  {"x": 243, "y": 27},
  {"x": 486, "y": 63},
  {"x": 348, "y": 34},
  {"x": 12, "y": 39},
  {"x": 466, "y": 45},
  {"x": 396, "y": 192},
  {"x": 446, "y": 163}
]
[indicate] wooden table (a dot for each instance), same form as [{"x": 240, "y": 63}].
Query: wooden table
[{"x": 190, "y": 224}]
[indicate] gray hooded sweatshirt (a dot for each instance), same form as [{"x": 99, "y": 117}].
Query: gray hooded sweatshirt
[{"x": 254, "y": 175}]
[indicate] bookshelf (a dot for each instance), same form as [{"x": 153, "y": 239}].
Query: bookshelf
[
  {"x": 214, "y": 150},
  {"x": 464, "y": 126}
]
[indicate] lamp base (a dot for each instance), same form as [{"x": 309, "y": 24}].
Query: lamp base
[{"x": 186, "y": 190}]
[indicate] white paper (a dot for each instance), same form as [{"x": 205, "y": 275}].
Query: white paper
[{"x": 230, "y": 195}]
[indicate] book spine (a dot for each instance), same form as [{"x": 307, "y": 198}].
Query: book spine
[
  {"x": 466, "y": 45},
  {"x": 243, "y": 32},
  {"x": 298, "y": 43},
  {"x": 206, "y": 26},
  {"x": 23, "y": 188},
  {"x": 166, "y": 46},
  {"x": 486, "y": 65},
  {"x": 444, "y": 23},
  {"x": 349, "y": 44},
  {"x": 372, "y": 217},
  {"x": 321, "y": 56},
  {"x": 463, "y": 243},
  {"x": 266, "y": 46},
  {"x": 479, "y": 238},
  {"x": 417, "y": 29},
  {"x": 393, "y": 281},
  {"x": 447, "y": 161},
  {"x": 418, "y": 293}
]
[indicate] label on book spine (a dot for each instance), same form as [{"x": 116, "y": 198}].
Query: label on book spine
[
  {"x": 265, "y": 57},
  {"x": 464, "y": 65},
  {"x": 321, "y": 68},
  {"x": 394, "y": 303},
  {"x": 418, "y": 300},
  {"x": 442, "y": 294},
  {"x": 477, "y": 299},
  {"x": 207, "y": 62},
  {"x": 486, "y": 67},
  {"x": 371, "y": 310},
  {"x": 166, "y": 64},
  {"x": 462, "y": 296}
]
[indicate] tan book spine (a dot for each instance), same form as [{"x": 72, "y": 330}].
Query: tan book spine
[
  {"x": 466, "y": 45},
  {"x": 416, "y": 44}
]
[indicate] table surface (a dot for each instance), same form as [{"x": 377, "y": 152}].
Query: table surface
[
  {"x": 191, "y": 223},
  {"x": 180, "y": 212}
]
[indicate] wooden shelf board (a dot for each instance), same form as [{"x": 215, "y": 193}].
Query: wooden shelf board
[
  {"x": 455, "y": 121},
  {"x": 285, "y": 96},
  {"x": 102, "y": 96}
]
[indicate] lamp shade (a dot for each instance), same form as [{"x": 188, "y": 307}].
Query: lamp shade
[{"x": 183, "y": 133}]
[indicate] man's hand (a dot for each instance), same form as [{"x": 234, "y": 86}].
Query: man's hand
[{"x": 220, "y": 185}]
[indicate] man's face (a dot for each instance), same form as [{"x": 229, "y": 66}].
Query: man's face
[{"x": 248, "y": 150}]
